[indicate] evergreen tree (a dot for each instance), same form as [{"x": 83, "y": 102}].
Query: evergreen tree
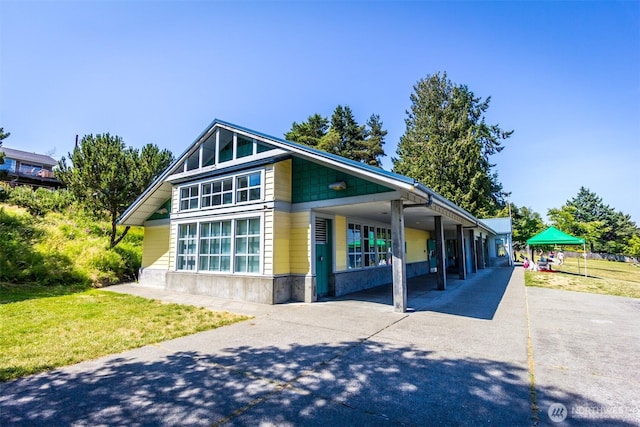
[
  {"x": 342, "y": 135},
  {"x": 447, "y": 145},
  {"x": 587, "y": 215},
  {"x": 309, "y": 132},
  {"x": 107, "y": 176},
  {"x": 351, "y": 134},
  {"x": 374, "y": 140}
]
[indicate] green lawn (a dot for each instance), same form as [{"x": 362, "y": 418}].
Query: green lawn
[
  {"x": 603, "y": 277},
  {"x": 44, "y": 328}
]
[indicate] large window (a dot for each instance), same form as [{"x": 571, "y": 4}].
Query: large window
[
  {"x": 223, "y": 146},
  {"x": 368, "y": 245},
  {"x": 248, "y": 245},
  {"x": 232, "y": 245},
  {"x": 215, "y": 246},
  {"x": 227, "y": 191},
  {"x": 186, "y": 247}
]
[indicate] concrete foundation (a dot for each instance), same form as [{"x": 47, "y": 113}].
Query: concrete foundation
[
  {"x": 346, "y": 282},
  {"x": 264, "y": 290},
  {"x": 151, "y": 277},
  {"x": 272, "y": 290}
]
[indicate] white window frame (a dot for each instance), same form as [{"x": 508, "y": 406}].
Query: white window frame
[
  {"x": 179, "y": 255},
  {"x": 198, "y": 223},
  {"x": 235, "y": 190},
  {"x": 189, "y": 198},
  {"x": 374, "y": 249}
]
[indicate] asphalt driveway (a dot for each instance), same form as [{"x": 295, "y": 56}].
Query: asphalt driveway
[{"x": 462, "y": 357}]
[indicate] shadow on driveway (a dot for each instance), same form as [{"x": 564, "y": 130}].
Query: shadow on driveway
[
  {"x": 350, "y": 383},
  {"x": 478, "y": 296}
]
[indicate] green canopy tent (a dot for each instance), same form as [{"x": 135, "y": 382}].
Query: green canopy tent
[{"x": 553, "y": 236}]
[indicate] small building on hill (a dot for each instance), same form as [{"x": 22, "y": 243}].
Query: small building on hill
[
  {"x": 247, "y": 216},
  {"x": 25, "y": 168}
]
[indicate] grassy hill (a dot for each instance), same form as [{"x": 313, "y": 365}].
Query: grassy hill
[{"x": 63, "y": 247}]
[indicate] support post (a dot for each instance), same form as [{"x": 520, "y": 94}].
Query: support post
[
  {"x": 462, "y": 264},
  {"x": 441, "y": 274},
  {"x": 398, "y": 266},
  {"x": 481, "y": 262},
  {"x": 474, "y": 252}
]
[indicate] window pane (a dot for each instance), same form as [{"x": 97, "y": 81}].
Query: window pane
[
  {"x": 241, "y": 264},
  {"x": 227, "y": 198},
  {"x": 226, "y": 146},
  {"x": 242, "y": 196},
  {"x": 244, "y": 147},
  {"x": 225, "y": 263},
  {"x": 225, "y": 246},
  {"x": 242, "y": 182},
  {"x": 241, "y": 227},
  {"x": 254, "y": 194},
  {"x": 262, "y": 148},
  {"x": 254, "y": 179},
  {"x": 254, "y": 245},
  {"x": 254, "y": 226},
  {"x": 226, "y": 228},
  {"x": 253, "y": 264},
  {"x": 241, "y": 245}
]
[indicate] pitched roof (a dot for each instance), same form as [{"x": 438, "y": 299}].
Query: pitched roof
[
  {"x": 27, "y": 157},
  {"x": 499, "y": 225},
  {"x": 388, "y": 178}
]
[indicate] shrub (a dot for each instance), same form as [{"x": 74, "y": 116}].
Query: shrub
[
  {"x": 65, "y": 248},
  {"x": 5, "y": 190},
  {"x": 40, "y": 201}
]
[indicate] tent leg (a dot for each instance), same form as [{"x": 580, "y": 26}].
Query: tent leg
[{"x": 584, "y": 247}]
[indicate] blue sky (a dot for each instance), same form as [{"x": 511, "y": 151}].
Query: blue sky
[{"x": 564, "y": 75}]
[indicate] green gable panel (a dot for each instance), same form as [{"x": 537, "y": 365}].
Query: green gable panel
[
  {"x": 163, "y": 212},
  {"x": 310, "y": 183}
]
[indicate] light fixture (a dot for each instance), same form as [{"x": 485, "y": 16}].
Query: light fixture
[{"x": 338, "y": 185}]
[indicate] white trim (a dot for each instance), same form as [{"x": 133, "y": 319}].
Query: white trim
[
  {"x": 328, "y": 203},
  {"x": 234, "y": 177},
  {"x": 362, "y": 223},
  {"x": 233, "y": 219}
]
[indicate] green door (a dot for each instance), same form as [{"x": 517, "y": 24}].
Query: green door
[{"x": 323, "y": 256}]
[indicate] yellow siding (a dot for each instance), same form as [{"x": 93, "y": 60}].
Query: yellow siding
[
  {"x": 282, "y": 182},
  {"x": 281, "y": 236},
  {"x": 299, "y": 246},
  {"x": 173, "y": 235},
  {"x": 341, "y": 242},
  {"x": 416, "y": 244},
  {"x": 267, "y": 245},
  {"x": 155, "y": 247}
]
